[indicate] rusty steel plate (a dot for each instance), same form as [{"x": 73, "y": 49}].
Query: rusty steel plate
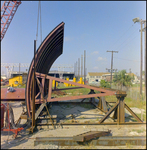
[
  {"x": 49, "y": 50},
  {"x": 17, "y": 95}
]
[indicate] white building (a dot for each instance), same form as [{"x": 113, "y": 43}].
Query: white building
[
  {"x": 98, "y": 76},
  {"x": 95, "y": 76}
]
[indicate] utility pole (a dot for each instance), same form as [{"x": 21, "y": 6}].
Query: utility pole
[
  {"x": 141, "y": 62},
  {"x": 141, "y": 22},
  {"x": 81, "y": 65},
  {"x": 74, "y": 69},
  {"x": 19, "y": 73},
  {"x": 78, "y": 68},
  {"x": 145, "y": 56},
  {"x": 112, "y": 63},
  {"x": 84, "y": 66}
]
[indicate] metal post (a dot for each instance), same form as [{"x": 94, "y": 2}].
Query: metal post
[
  {"x": 145, "y": 56},
  {"x": 112, "y": 64},
  {"x": 141, "y": 62},
  {"x": 78, "y": 67},
  {"x": 74, "y": 69},
  {"x": 19, "y": 73},
  {"x": 84, "y": 66},
  {"x": 81, "y": 65},
  {"x": 34, "y": 92}
]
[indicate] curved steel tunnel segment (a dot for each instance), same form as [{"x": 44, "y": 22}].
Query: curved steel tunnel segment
[{"x": 49, "y": 50}]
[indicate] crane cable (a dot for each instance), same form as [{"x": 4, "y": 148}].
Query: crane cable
[{"x": 39, "y": 13}]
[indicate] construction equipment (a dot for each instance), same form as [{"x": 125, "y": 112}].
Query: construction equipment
[
  {"x": 8, "y": 11},
  {"x": 9, "y": 120}
]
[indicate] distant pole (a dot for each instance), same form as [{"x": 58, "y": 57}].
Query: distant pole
[
  {"x": 112, "y": 63},
  {"x": 78, "y": 67},
  {"x": 145, "y": 56},
  {"x": 19, "y": 73},
  {"x": 74, "y": 69},
  {"x": 84, "y": 66},
  {"x": 81, "y": 65},
  {"x": 141, "y": 22},
  {"x": 141, "y": 61}
]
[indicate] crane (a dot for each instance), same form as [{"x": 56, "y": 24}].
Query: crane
[{"x": 8, "y": 11}]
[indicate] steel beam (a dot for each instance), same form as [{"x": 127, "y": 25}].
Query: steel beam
[{"x": 101, "y": 141}]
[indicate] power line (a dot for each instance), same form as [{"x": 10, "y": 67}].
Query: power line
[
  {"x": 127, "y": 59},
  {"x": 126, "y": 39},
  {"x": 127, "y": 43},
  {"x": 121, "y": 36}
]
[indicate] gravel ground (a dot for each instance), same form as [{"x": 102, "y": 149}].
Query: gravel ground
[{"x": 25, "y": 140}]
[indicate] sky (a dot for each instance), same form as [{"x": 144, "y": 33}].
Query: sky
[{"x": 93, "y": 26}]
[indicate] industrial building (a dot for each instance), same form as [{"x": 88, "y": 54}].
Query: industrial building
[
  {"x": 62, "y": 74},
  {"x": 17, "y": 78}
]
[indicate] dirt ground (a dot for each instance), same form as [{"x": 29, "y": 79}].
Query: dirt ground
[{"x": 24, "y": 140}]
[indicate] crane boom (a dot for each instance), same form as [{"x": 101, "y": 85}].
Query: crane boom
[{"x": 8, "y": 10}]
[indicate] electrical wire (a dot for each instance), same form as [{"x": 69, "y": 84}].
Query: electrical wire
[
  {"x": 126, "y": 39},
  {"x": 127, "y": 43},
  {"x": 121, "y": 36},
  {"x": 39, "y": 14},
  {"x": 37, "y": 24},
  {"x": 127, "y": 59},
  {"x": 40, "y": 23}
]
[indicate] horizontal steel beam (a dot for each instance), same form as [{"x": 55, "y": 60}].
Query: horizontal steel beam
[
  {"x": 38, "y": 101},
  {"x": 12, "y": 100},
  {"x": 41, "y": 75},
  {"x": 92, "y": 123},
  {"x": 101, "y": 141}
]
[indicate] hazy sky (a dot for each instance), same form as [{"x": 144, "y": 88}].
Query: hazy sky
[{"x": 94, "y": 26}]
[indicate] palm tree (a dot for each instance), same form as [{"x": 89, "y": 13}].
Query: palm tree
[{"x": 122, "y": 79}]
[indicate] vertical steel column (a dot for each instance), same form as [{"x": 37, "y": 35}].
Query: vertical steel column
[
  {"x": 121, "y": 109},
  {"x": 50, "y": 89},
  {"x": 34, "y": 91}
]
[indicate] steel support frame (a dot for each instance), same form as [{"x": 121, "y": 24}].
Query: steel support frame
[
  {"x": 104, "y": 92},
  {"x": 118, "y": 107},
  {"x": 119, "y": 110},
  {"x": 40, "y": 79}
]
